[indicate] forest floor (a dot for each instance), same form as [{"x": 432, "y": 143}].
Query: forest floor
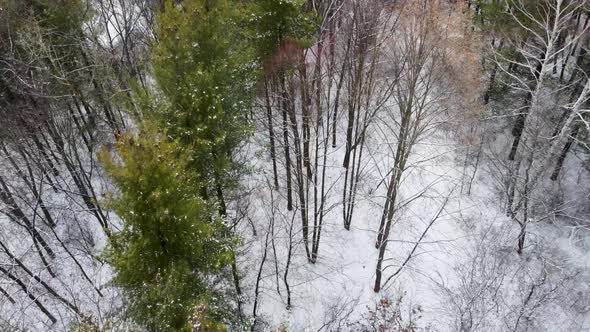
[{"x": 465, "y": 269}]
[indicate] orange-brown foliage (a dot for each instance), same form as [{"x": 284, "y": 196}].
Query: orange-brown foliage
[{"x": 288, "y": 55}]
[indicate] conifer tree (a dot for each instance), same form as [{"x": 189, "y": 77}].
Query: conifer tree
[
  {"x": 205, "y": 70},
  {"x": 167, "y": 250},
  {"x": 175, "y": 172},
  {"x": 277, "y": 21},
  {"x": 204, "y": 66}
]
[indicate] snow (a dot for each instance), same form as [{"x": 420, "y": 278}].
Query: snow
[{"x": 342, "y": 278}]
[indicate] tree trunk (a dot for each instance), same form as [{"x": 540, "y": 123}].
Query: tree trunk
[
  {"x": 284, "y": 96},
  {"x": 563, "y": 155},
  {"x": 18, "y": 216},
  {"x": 48, "y": 288},
  {"x": 300, "y": 180},
  {"x": 257, "y": 286},
  {"x": 520, "y": 123},
  {"x": 30, "y": 295},
  {"x": 305, "y": 115},
  {"x": 271, "y": 135}
]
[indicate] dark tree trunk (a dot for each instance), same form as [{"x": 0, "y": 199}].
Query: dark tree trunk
[
  {"x": 288, "y": 264},
  {"x": 15, "y": 212},
  {"x": 488, "y": 93},
  {"x": 284, "y": 102},
  {"x": 519, "y": 124},
  {"x": 300, "y": 178},
  {"x": 401, "y": 155},
  {"x": 271, "y": 135},
  {"x": 564, "y": 152},
  {"x": 305, "y": 115},
  {"x": 48, "y": 288},
  {"x": 257, "y": 286},
  {"x": 78, "y": 178},
  {"x": 5, "y": 293},
  {"x": 30, "y": 295},
  {"x": 521, "y": 238}
]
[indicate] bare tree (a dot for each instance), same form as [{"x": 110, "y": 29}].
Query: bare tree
[
  {"x": 423, "y": 40},
  {"x": 368, "y": 91},
  {"x": 549, "y": 36}
]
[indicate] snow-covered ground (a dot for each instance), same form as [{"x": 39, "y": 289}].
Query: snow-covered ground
[{"x": 464, "y": 275}]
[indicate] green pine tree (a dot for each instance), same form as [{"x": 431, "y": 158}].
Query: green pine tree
[
  {"x": 277, "y": 20},
  {"x": 167, "y": 250},
  {"x": 174, "y": 240},
  {"x": 174, "y": 173},
  {"x": 205, "y": 69}
]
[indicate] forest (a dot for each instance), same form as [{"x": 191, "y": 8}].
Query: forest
[{"x": 294, "y": 165}]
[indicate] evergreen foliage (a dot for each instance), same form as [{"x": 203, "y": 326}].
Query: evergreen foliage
[
  {"x": 174, "y": 240},
  {"x": 167, "y": 250},
  {"x": 277, "y": 21},
  {"x": 205, "y": 70}
]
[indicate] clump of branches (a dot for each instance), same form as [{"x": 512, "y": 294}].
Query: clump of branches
[{"x": 387, "y": 316}]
